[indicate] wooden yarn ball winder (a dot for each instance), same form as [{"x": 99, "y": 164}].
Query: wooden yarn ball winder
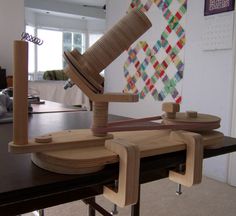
[{"x": 86, "y": 151}]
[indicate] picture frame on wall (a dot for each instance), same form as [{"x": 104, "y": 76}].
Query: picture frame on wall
[{"x": 218, "y": 6}]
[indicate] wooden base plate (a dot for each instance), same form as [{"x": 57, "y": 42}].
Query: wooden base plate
[{"x": 93, "y": 158}]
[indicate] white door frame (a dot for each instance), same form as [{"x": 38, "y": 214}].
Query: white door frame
[{"x": 232, "y": 156}]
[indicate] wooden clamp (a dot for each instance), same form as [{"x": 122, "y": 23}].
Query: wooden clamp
[
  {"x": 194, "y": 158},
  {"x": 128, "y": 182}
]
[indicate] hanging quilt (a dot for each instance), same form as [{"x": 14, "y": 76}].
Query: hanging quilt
[{"x": 155, "y": 65}]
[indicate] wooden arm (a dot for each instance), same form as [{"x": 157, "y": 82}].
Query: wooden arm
[{"x": 116, "y": 97}]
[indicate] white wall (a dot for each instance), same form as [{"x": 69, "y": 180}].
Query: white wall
[
  {"x": 207, "y": 84},
  {"x": 11, "y": 25},
  {"x": 115, "y": 81}
]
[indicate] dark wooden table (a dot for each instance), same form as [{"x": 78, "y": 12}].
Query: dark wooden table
[{"x": 24, "y": 187}]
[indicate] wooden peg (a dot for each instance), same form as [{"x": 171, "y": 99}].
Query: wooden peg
[
  {"x": 128, "y": 182},
  {"x": 191, "y": 114},
  {"x": 170, "y": 109},
  {"x": 43, "y": 139},
  {"x": 194, "y": 158},
  {"x": 100, "y": 117}
]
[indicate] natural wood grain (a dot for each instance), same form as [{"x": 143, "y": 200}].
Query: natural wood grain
[
  {"x": 96, "y": 96},
  {"x": 194, "y": 158},
  {"x": 191, "y": 114},
  {"x": 128, "y": 182},
  {"x": 84, "y": 69},
  {"x": 170, "y": 109},
  {"x": 116, "y": 97},
  {"x": 68, "y": 139},
  {"x": 75, "y": 161},
  {"x": 209, "y": 122},
  {"x": 94, "y": 155},
  {"x": 86, "y": 75},
  {"x": 201, "y": 118},
  {"x": 100, "y": 117},
  {"x": 78, "y": 79},
  {"x": 160, "y": 126},
  {"x": 116, "y": 40},
  {"x": 20, "y": 102}
]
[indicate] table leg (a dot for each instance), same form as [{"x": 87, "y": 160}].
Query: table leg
[
  {"x": 91, "y": 210},
  {"x": 135, "y": 209},
  {"x": 41, "y": 212}
]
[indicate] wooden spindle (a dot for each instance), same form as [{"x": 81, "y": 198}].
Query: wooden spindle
[
  {"x": 100, "y": 117},
  {"x": 20, "y": 93}
]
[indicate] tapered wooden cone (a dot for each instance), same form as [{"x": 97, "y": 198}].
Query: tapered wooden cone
[
  {"x": 88, "y": 66},
  {"x": 116, "y": 40}
]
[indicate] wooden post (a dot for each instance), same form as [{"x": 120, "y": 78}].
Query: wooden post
[
  {"x": 20, "y": 93},
  {"x": 100, "y": 117}
]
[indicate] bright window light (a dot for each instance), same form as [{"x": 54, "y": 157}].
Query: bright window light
[
  {"x": 31, "y": 66},
  {"x": 50, "y": 53},
  {"x": 93, "y": 38},
  {"x": 49, "y": 56}
]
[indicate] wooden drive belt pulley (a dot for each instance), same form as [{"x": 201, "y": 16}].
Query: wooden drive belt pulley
[{"x": 89, "y": 150}]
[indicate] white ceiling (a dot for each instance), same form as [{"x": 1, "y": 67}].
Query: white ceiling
[
  {"x": 99, "y": 3},
  {"x": 72, "y": 8}
]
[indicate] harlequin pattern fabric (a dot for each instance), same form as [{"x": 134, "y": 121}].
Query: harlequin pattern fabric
[{"x": 160, "y": 68}]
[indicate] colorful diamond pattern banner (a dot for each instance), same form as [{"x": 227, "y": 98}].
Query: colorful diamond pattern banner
[{"x": 162, "y": 79}]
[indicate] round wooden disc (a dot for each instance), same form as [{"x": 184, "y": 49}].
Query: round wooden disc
[
  {"x": 74, "y": 161},
  {"x": 201, "y": 118},
  {"x": 210, "y": 122},
  {"x": 91, "y": 159},
  {"x": 43, "y": 139}
]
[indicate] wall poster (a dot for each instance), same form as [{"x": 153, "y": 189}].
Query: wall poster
[
  {"x": 155, "y": 64},
  {"x": 218, "y": 6}
]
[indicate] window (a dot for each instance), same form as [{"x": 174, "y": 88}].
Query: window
[
  {"x": 31, "y": 57},
  {"x": 49, "y": 56},
  {"x": 72, "y": 40}
]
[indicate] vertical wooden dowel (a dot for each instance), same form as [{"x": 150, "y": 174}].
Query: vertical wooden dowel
[
  {"x": 100, "y": 117},
  {"x": 20, "y": 93}
]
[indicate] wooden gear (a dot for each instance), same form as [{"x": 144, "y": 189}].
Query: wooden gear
[{"x": 85, "y": 151}]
